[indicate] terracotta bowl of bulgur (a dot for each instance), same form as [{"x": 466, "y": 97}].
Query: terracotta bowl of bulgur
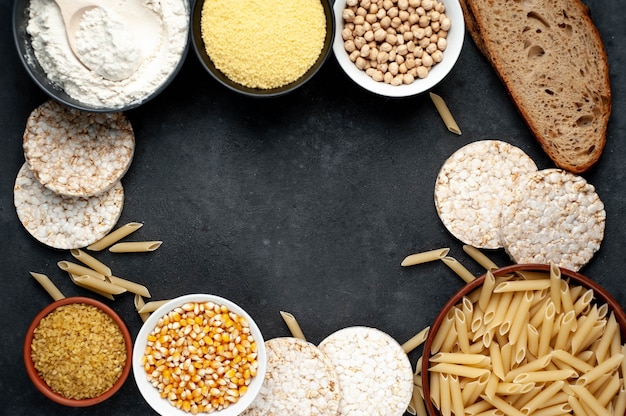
[
  {"x": 78, "y": 352},
  {"x": 199, "y": 353},
  {"x": 266, "y": 49},
  {"x": 528, "y": 374}
]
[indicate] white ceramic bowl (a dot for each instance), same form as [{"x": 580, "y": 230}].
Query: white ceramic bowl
[
  {"x": 437, "y": 73},
  {"x": 151, "y": 394}
]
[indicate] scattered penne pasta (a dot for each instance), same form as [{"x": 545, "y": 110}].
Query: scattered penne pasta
[
  {"x": 293, "y": 325},
  {"x": 139, "y": 304},
  {"x": 129, "y": 286},
  {"x": 115, "y": 236},
  {"x": 91, "y": 282},
  {"x": 458, "y": 268},
  {"x": 479, "y": 257},
  {"x": 445, "y": 114},
  {"x": 152, "y": 306},
  {"x": 416, "y": 340},
  {"x": 48, "y": 285},
  {"x": 425, "y": 257},
  {"x": 135, "y": 247},
  {"x": 90, "y": 261}
]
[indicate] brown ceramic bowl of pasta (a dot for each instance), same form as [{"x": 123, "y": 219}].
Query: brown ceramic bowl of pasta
[
  {"x": 526, "y": 338},
  {"x": 264, "y": 51},
  {"x": 77, "y": 352}
]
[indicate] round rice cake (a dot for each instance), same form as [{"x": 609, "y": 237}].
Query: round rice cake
[
  {"x": 374, "y": 373},
  {"x": 473, "y": 186},
  {"x": 556, "y": 217},
  {"x": 300, "y": 380},
  {"x": 65, "y": 222},
  {"x": 77, "y": 153}
]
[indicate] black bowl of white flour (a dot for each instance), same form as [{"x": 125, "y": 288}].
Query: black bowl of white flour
[{"x": 153, "y": 38}]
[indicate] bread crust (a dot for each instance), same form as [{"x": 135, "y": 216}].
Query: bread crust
[{"x": 550, "y": 57}]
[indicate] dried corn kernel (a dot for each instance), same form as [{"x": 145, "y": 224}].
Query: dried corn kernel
[{"x": 199, "y": 358}]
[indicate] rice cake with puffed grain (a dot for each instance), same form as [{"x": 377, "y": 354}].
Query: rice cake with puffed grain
[
  {"x": 556, "y": 217},
  {"x": 65, "y": 222},
  {"x": 473, "y": 186},
  {"x": 375, "y": 374},
  {"x": 300, "y": 380},
  {"x": 77, "y": 153}
]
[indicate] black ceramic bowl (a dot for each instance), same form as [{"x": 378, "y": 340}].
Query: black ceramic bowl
[
  {"x": 199, "y": 47},
  {"x": 37, "y": 73}
]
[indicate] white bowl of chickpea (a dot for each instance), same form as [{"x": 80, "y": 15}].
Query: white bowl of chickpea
[
  {"x": 199, "y": 353},
  {"x": 398, "y": 48}
]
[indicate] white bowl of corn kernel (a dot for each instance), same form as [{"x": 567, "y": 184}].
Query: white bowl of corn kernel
[
  {"x": 398, "y": 48},
  {"x": 199, "y": 353}
]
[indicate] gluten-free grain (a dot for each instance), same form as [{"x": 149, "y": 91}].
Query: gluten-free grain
[
  {"x": 261, "y": 44},
  {"x": 79, "y": 351}
]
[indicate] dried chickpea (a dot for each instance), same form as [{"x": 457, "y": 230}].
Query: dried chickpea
[
  {"x": 201, "y": 357},
  {"x": 395, "y": 41}
]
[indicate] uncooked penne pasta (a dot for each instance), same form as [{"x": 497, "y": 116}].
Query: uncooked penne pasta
[
  {"x": 97, "y": 291},
  {"x": 568, "y": 324},
  {"x": 521, "y": 285},
  {"x": 544, "y": 376},
  {"x": 135, "y": 246},
  {"x": 459, "y": 370},
  {"x": 459, "y": 269},
  {"x": 505, "y": 407},
  {"x": 545, "y": 394},
  {"x": 555, "y": 286},
  {"x": 474, "y": 360},
  {"x": 606, "y": 367},
  {"x": 293, "y": 325},
  {"x": 444, "y": 330},
  {"x": 48, "y": 286},
  {"x": 571, "y": 360},
  {"x": 461, "y": 330},
  {"x": 101, "y": 285},
  {"x": 445, "y": 114},
  {"x": 115, "y": 236},
  {"x": 130, "y": 286},
  {"x": 417, "y": 401},
  {"x": 91, "y": 262},
  {"x": 545, "y": 334},
  {"x": 79, "y": 270},
  {"x": 435, "y": 395},
  {"x": 444, "y": 394},
  {"x": 425, "y": 257},
  {"x": 479, "y": 257},
  {"x": 478, "y": 407},
  {"x": 416, "y": 340},
  {"x": 583, "y": 326},
  {"x": 531, "y": 366},
  {"x": 140, "y": 303},
  {"x": 566, "y": 297},
  {"x": 520, "y": 319},
  {"x": 486, "y": 290},
  {"x": 577, "y": 407},
  {"x": 152, "y": 306},
  {"x": 589, "y": 400},
  {"x": 458, "y": 407}
]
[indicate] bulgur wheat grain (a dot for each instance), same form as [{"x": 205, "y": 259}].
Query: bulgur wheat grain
[{"x": 79, "y": 351}]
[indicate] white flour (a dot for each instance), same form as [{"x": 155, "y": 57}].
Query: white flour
[
  {"x": 105, "y": 43},
  {"x": 163, "y": 25}
]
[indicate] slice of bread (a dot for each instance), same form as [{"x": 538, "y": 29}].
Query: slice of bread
[{"x": 551, "y": 59}]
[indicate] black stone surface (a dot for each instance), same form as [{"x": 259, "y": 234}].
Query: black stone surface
[{"x": 305, "y": 203}]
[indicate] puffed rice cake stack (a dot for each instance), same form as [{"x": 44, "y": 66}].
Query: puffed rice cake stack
[
  {"x": 490, "y": 194},
  {"x": 69, "y": 194},
  {"x": 300, "y": 380}
]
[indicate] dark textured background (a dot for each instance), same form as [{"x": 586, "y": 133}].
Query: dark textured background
[{"x": 305, "y": 203}]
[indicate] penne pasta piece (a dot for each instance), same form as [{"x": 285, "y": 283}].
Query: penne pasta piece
[
  {"x": 458, "y": 407},
  {"x": 554, "y": 410},
  {"x": 583, "y": 327},
  {"x": 425, "y": 257},
  {"x": 609, "y": 390},
  {"x": 474, "y": 360},
  {"x": 444, "y": 113},
  {"x": 445, "y": 396},
  {"x": 532, "y": 275},
  {"x": 619, "y": 407},
  {"x": 490, "y": 310},
  {"x": 531, "y": 366},
  {"x": 544, "y": 376},
  {"x": 130, "y": 286},
  {"x": 520, "y": 319},
  {"x": 152, "y": 306},
  {"x": 533, "y": 340},
  {"x": 450, "y": 340},
  {"x": 545, "y": 394},
  {"x": 555, "y": 286},
  {"x": 417, "y": 402},
  {"x": 435, "y": 395},
  {"x": 459, "y": 269},
  {"x": 521, "y": 347},
  {"x": 521, "y": 286},
  {"x": 94, "y": 290},
  {"x": 479, "y": 257},
  {"x": 293, "y": 325},
  {"x": 496, "y": 360},
  {"x": 467, "y": 306},
  {"x": 115, "y": 236},
  {"x": 478, "y": 407},
  {"x": 571, "y": 360},
  {"x": 583, "y": 302},
  {"x": 566, "y": 297},
  {"x": 545, "y": 333},
  {"x": 477, "y": 320},
  {"x": 48, "y": 285},
  {"x": 91, "y": 261},
  {"x": 475, "y": 389},
  {"x": 417, "y": 340},
  {"x": 610, "y": 332},
  {"x": 568, "y": 322},
  {"x": 91, "y": 282},
  {"x": 135, "y": 246},
  {"x": 461, "y": 330},
  {"x": 459, "y": 370},
  {"x": 486, "y": 290},
  {"x": 507, "y": 321},
  {"x": 606, "y": 367},
  {"x": 577, "y": 407},
  {"x": 589, "y": 399},
  {"x": 140, "y": 303},
  {"x": 79, "y": 270},
  {"x": 504, "y": 301},
  {"x": 505, "y": 407}
]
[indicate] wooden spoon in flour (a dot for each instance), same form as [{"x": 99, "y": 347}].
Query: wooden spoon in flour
[{"x": 101, "y": 39}]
